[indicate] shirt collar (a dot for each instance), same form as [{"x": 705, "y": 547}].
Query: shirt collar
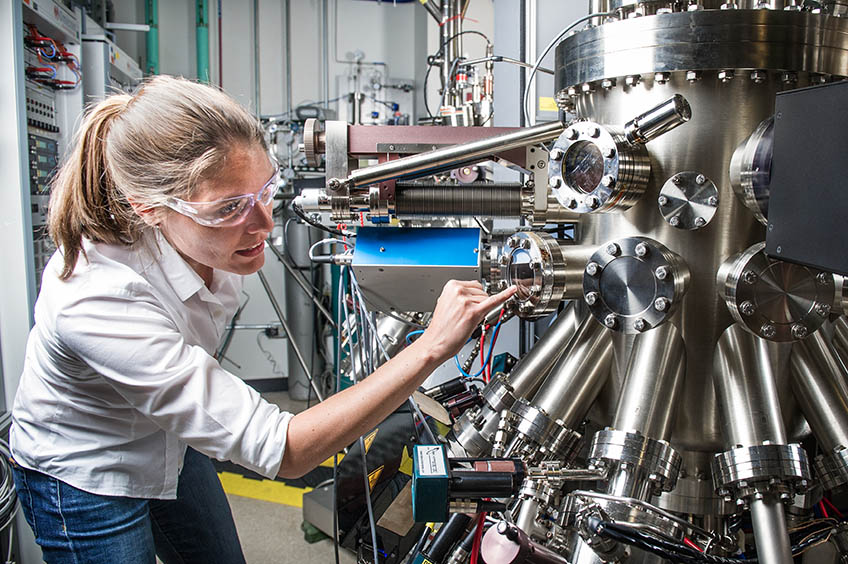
[{"x": 177, "y": 272}]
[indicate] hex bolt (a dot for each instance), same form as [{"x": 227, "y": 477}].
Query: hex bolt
[
  {"x": 674, "y": 221},
  {"x": 504, "y": 260},
  {"x": 661, "y": 272},
  {"x": 677, "y": 179},
  {"x": 595, "y": 132},
  {"x": 758, "y": 76},
  {"x": 823, "y": 309},
  {"x": 608, "y": 83},
  {"x": 725, "y": 75},
  {"x": 571, "y": 134},
  {"x": 641, "y": 249},
  {"x": 555, "y": 182},
  {"x": 592, "y": 298},
  {"x": 750, "y": 277},
  {"x": 661, "y": 304},
  {"x": 587, "y": 88},
  {"x": 592, "y": 269},
  {"x": 789, "y": 77},
  {"x": 799, "y": 331},
  {"x": 610, "y": 153},
  {"x": 526, "y": 244},
  {"x": 661, "y": 77},
  {"x": 662, "y": 200},
  {"x": 535, "y": 264},
  {"x": 700, "y": 222},
  {"x": 822, "y": 278},
  {"x": 768, "y": 331},
  {"x": 593, "y": 202},
  {"x": 571, "y": 203},
  {"x": 613, "y": 249},
  {"x": 512, "y": 242},
  {"x": 608, "y": 181},
  {"x": 633, "y": 79},
  {"x": 700, "y": 179},
  {"x": 693, "y": 76},
  {"x": 747, "y": 308},
  {"x": 611, "y": 320},
  {"x": 713, "y": 201},
  {"x": 640, "y": 325},
  {"x": 556, "y": 154}
]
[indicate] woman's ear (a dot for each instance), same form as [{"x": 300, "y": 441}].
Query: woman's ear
[{"x": 151, "y": 215}]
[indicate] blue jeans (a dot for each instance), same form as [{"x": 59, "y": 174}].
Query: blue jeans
[{"x": 74, "y": 527}]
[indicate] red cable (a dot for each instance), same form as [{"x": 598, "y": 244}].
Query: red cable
[
  {"x": 833, "y": 507},
  {"x": 823, "y": 510},
  {"x": 691, "y": 544},
  {"x": 478, "y": 536}
]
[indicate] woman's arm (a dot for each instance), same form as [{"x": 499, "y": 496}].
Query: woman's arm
[{"x": 322, "y": 430}]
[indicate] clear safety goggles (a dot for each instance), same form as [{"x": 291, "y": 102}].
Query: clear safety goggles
[{"x": 227, "y": 211}]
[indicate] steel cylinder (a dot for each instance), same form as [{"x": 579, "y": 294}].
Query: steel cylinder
[
  {"x": 653, "y": 382},
  {"x": 746, "y": 391},
  {"x": 578, "y": 376},
  {"x": 612, "y": 72},
  {"x": 819, "y": 380}
]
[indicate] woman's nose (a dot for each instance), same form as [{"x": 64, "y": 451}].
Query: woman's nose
[{"x": 261, "y": 218}]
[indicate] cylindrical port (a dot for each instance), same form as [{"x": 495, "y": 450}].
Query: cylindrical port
[
  {"x": 750, "y": 170},
  {"x": 658, "y": 120}
]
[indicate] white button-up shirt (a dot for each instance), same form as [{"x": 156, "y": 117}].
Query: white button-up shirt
[{"x": 119, "y": 376}]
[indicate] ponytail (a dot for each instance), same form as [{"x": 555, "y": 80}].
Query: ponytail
[{"x": 84, "y": 200}]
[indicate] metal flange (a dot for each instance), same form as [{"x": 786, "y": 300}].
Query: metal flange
[
  {"x": 550, "y": 436},
  {"x": 634, "y": 284},
  {"x": 688, "y": 200},
  {"x": 593, "y": 168},
  {"x": 750, "y": 170},
  {"x": 832, "y": 468},
  {"x": 745, "y": 471},
  {"x": 659, "y": 461},
  {"x": 773, "y": 299},
  {"x": 534, "y": 263}
]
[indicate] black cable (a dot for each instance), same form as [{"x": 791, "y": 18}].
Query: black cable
[{"x": 299, "y": 213}]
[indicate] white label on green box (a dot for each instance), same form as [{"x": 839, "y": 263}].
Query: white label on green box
[{"x": 431, "y": 461}]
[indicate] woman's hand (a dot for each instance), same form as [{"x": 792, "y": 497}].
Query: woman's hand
[{"x": 461, "y": 307}]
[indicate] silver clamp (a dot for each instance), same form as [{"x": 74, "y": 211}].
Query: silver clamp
[
  {"x": 832, "y": 468},
  {"x": 659, "y": 461}
]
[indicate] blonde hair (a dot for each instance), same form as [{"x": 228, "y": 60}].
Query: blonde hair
[{"x": 142, "y": 148}]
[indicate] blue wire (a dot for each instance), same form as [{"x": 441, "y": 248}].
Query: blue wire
[
  {"x": 408, "y": 341},
  {"x": 488, "y": 357}
]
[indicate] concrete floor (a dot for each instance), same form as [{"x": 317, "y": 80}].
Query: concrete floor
[{"x": 270, "y": 532}]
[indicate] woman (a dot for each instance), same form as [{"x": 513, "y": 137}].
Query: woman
[{"x": 164, "y": 203}]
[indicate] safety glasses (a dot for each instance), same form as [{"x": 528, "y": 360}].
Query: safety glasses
[{"x": 227, "y": 211}]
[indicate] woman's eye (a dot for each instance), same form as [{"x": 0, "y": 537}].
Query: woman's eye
[{"x": 229, "y": 208}]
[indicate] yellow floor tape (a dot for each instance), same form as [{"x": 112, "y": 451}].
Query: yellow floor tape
[{"x": 265, "y": 490}]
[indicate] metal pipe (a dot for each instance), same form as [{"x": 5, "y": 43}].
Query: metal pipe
[
  {"x": 746, "y": 391},
  {"x": 578, "y": 376},
  {"x": 433, "y": 9},
  {"x": 576, "y": 258},
  {"x": 652, "y": 383},
  {"x": 275, "y": 304},
  {"x": 769, "y": 523},
  {"x": 658, "y": 120},
  {"x": 446, "y": 158},
  {"x": 534, "y": 367},
  {"x": 202, "y": 39},
  {"x": 819, "y": 384},
  {"x": 840, "y": 338},
  {"x": 151, "y": 17},
  {"x": 292, "y": 270}
]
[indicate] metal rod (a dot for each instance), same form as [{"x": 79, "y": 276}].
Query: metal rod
[
  {"x": 446, "y": 158},
  {"x": 291, "y": 269},
  {"x": 285, "y": 325},
  {"x": 577, "y": 378},
  {"x": 652, "y": 383},
  {"x": 769, "y": 523},
  {"x": 658, "y": 120},
  {"x": 840, "y": 338}
]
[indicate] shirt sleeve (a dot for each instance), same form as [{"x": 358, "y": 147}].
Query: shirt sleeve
[{"x": 129, "y": 338}]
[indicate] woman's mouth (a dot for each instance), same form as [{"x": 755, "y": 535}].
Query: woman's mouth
[{"x": 252, "y": 251}]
